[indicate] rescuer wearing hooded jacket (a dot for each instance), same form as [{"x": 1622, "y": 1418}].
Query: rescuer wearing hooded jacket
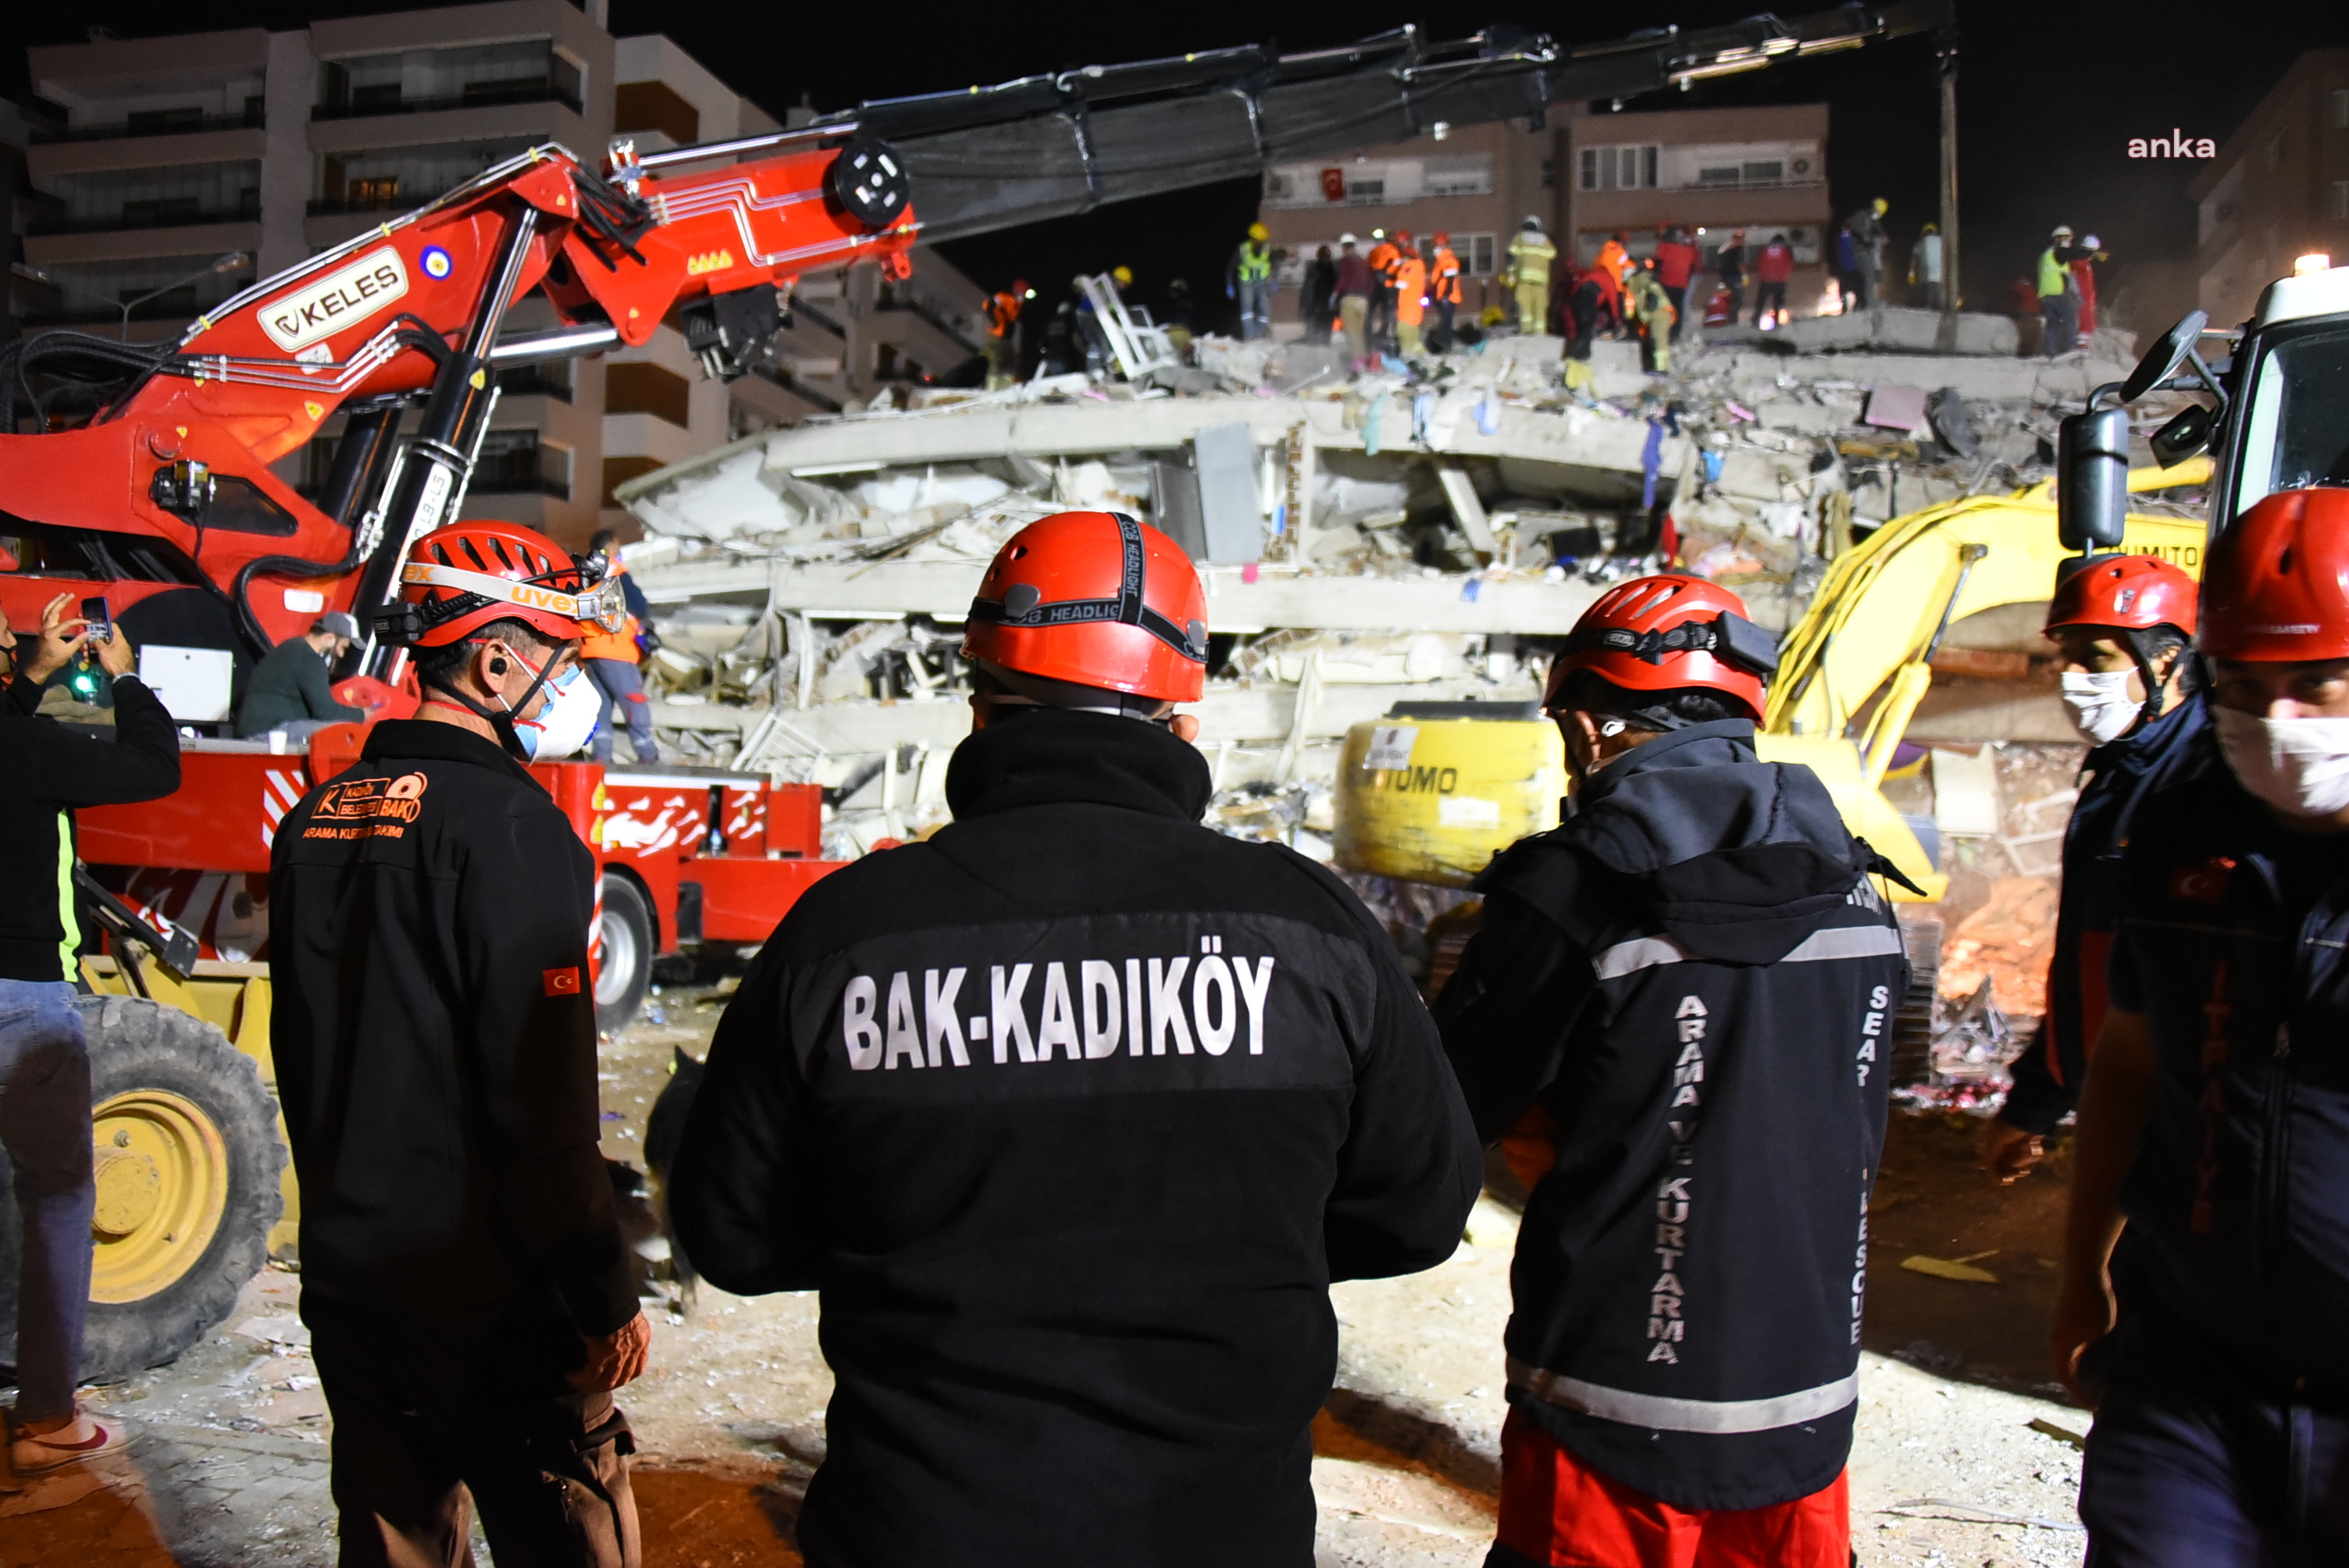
[
  {"x": 470, "y": 1303},
  {"x": 2215, "y": 1119},
  {"x": 1678, "y": 1005},
  {"x": 2123, "y": 625},
  {"x": 1073, "y": 1110}
]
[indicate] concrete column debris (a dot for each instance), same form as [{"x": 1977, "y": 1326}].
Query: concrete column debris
[{"x": 1409, "y": 532}]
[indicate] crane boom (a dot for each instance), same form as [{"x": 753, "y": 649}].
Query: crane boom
[{"x": 166, "y": 485}]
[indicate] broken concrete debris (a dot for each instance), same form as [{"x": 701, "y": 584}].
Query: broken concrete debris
[{"x": 1398, "y": 531}]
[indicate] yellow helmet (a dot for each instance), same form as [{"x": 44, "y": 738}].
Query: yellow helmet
[
  {"x": 1122, "y": 276},
  {"x": 1258, "y": 232}
]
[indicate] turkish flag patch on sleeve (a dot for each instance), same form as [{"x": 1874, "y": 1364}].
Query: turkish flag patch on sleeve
[{"x": 562, "y": 982}]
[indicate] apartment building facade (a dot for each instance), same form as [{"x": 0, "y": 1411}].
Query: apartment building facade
[
  {"x": 2278, "y": 190},
  {"x": 1586, "y": 175},
  {"x": 183, "y": 169}
]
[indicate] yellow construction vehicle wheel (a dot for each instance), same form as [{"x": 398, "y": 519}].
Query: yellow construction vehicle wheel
[{"x": 186, "y": 1164}]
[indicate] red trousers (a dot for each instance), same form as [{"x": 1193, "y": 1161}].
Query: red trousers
[{"x": 1557, "y": 1511}]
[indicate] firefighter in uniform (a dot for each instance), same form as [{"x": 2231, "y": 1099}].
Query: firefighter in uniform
[
  {"x": 2215, "y": 1119},
  {"x": 1676, "y": 1009},
  {"x": 1073, "y": 1111},
  {"x": 2122, "y": 626},
  {"x": 470, "y": 1303},
  {"x": 1530, "y": 255}
]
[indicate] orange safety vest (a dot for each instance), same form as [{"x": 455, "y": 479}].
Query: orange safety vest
[
  {"x": 1411, "y": 287},
  {"x": 1614, "y": 259},
  {"x": 1383, "y": 259},
  {"x": 1001, "y": 312},
  {"x": 1447, "y": 274}
]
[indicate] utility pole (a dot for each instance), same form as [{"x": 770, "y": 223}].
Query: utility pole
[{"x": 1946, "y": 52}]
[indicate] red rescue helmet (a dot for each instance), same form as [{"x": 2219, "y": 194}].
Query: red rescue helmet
[
  {"x": 1669, "y": 633},
  {"x": 2277, "y": 582},
  {"x": 2134, "y": 592},
  {"x": 460, "y": 578},
  {"x": 1442, "y": 238},
  {"x": 1096, "y": 599}
]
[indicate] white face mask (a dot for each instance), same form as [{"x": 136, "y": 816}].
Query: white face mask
[
  {"x": 2101, "y": 708},
  {"x": 564, "y": 720},
  {"x": 2299, "y": 765}
]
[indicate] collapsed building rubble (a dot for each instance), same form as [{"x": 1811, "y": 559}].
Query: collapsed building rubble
[{"x": 1404, "y": 532}]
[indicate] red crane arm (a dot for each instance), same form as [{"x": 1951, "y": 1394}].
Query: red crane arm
[{"x": 383, "y": 315}]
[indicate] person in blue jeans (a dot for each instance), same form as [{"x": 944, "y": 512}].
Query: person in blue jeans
[
  {"x": 43, "y": 1060},
  {"x": 2205, "y": 1286}
]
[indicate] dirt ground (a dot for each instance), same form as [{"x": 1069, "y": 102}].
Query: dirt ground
[{"x": 1953, "y": 1463}]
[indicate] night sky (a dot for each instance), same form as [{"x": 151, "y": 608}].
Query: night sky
[{"x": 2050, "y": 94}]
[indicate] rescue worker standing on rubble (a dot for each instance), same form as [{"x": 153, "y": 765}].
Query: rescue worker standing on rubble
[
  {"x": 2215, "y": 1120},
  {"x": 1650, "y": 305},
  {"x": 615, "y": 660},
  {"x": 1355, "y": 283},
  {"x": 1382, "y": 260},
  {"x": 1676, "y": 1010},
  {"x": 2123, "y": 625},
  {"x": 2058, "y": 292},
  {"x": 1771, "y": 270},
  {"x": 1073, "y": 1111},
  {"x": 1247, "y": 277},
  {"x": 1530, "y": 255},
  {"x": 1443, "y": 290},
  {"x": 1411, "y": 301},
  {"x": 1002, "y": 310},
  {"x": 470, "y": 1302}
]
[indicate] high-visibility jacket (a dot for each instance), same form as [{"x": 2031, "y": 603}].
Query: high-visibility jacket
[
  {"x": 1002, "y": 311},
  {"x": 1614, "y": 259},
  {"x": 2055, "y": 276},
  {"x": 1530, "y": 254},
  {"x": 1383, "y": 258},
  {"x": 1411, "y": 287},
  {"x": 1252, "y": 262},
  {"x": 1444, "y": 273}
]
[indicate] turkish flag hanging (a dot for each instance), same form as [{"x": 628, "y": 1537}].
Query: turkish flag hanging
[{"x": 1333, "y": 185}]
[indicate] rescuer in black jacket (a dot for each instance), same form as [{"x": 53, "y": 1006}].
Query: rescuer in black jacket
[
  {"x": 469, "y": 1303},
  {"x": 1688, "y": 984},
  {"x": 2123, "y": 625},
  {"x": 1072, "y": 1112}
]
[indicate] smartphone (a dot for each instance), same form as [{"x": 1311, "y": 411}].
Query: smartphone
[{"x": 101, "y": 625}]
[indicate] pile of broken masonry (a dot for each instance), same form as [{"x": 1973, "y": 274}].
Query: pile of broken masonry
[{"x": 1413, "y": 533}]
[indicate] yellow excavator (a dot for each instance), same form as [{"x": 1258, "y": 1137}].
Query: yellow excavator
[{"x": 1431, "y": 792}]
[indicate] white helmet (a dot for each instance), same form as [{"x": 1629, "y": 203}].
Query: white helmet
[
  {"x": 1533, "y": 221},
  {"x": 1348, "y": 240},
  {"x": 2093, "y": 243}
]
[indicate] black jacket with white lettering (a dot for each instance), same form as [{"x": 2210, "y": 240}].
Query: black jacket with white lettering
[
  {"x": 435, "y": 1035},
  {"x": 1072, "y": 1112},
  {"x": 1694, "y": 980}
]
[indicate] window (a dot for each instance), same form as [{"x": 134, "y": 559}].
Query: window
[
  {"x": 1620, "y": 168},
  {"x": 1477, "y": 253},
  {"x": 655, "y": 106},
  {"x": 2339, "y": 206},
  {"x": 528, "y": 71},
  {"x": 242, "y": 507},
  {"x": 514, "y": 462},
  {"x": 1471, "y": 175},
  {"x": 156, "y": 198},
  {"x": 2299, "y": 408},
  {"x": 402, "y": 177},
  {"x": 641, "y": 388}
]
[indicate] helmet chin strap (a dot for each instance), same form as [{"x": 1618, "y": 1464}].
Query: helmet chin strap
[{"x": 501, "y": 719}]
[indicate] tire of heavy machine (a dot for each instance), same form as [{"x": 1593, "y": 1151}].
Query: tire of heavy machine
[
  {"x": 1911, "y": 1051},
  {"x": 625, "y": 967},
  {"x": 188, "y": 1165}
]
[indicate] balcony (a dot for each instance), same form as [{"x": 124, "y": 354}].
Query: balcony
[
  {"x": 365, "y": 102},
  {"x": 170, "y": 212},
  {"x": 155, "y": 122}
]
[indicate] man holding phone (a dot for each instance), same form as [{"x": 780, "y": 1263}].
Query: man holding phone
[{"x": 44, "y": 1061}]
